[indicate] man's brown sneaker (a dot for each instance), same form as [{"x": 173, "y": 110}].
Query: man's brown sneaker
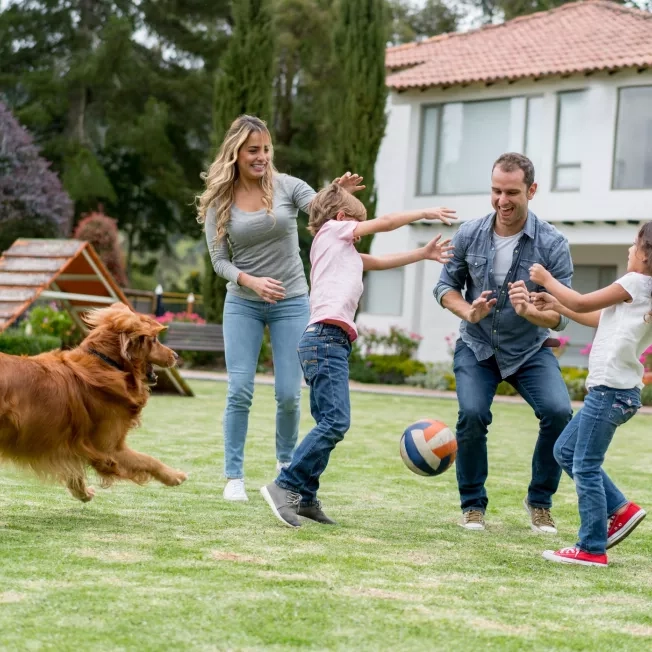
[
  {"x": 540, "y": 518},
  {"x": 472, "y": 520}
]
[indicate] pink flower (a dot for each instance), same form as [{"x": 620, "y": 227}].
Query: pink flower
[
  {"x": 587, "y": 349},
  {"x": 563, "y": 340}
]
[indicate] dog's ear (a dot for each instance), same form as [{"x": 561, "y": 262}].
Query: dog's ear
[{"x": 131, "y": 345}]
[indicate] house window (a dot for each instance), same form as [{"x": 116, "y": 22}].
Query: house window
[
  {"x": 533, "y": 148},
  {"x": 570, "y": 127},
  {"x": 633, "y": 160},
  {"x": 460, "y": 141},
  {"x": 586, "y": 278},
  {"x": 383, "y": 293}
]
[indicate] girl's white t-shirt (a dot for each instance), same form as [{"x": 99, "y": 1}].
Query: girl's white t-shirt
[{"x": 622, "y": 336}]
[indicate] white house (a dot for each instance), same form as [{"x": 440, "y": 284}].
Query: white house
[{"x": 572, "y": 89}]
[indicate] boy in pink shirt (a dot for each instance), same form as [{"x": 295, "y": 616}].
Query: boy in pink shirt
[{"x": 337, "y": 220}]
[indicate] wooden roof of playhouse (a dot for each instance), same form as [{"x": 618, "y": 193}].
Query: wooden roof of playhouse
[{"x": 69, "y": 271}]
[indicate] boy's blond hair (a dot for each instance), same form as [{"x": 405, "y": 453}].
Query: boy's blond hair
[{"x": 328, "y": 202}]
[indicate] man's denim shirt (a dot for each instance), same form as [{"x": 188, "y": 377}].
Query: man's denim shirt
[{"x": 512, "y": 339}]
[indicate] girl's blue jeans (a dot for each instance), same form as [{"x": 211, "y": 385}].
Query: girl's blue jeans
[
  {"x": 244, "y": 323},
  {"x": 580, "y": 451}
]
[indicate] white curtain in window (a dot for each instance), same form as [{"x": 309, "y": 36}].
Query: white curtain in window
[
  {"x": 473, "y": 135},
  {"x": 633, "y": 164},
  {"x": 383, "y": 294}
]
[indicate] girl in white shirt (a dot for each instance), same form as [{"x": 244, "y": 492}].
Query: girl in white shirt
[{"x": 621, "y": 313}]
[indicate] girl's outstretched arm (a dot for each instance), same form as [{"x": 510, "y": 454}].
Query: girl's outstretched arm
[
  {"x": 436, "y": 249},
  {"x": 579, "y": 303},
  {"x": 544, "y": 301}
]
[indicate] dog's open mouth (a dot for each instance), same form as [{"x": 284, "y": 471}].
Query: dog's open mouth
[{"x": 151, "y": 376}]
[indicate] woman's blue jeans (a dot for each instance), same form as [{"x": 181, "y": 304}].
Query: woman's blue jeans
[{"x": 244, "y": 323}]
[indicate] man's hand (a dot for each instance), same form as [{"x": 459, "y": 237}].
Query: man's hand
[
  {"x": 539, "y": 274},
  {"x": 438, "y": 249},
  {"x": 350, "y": 182},
  {"x": 544, "y": 301},
  {"x": 481, "y": 307},
  {"x": 520, "y": 298}
]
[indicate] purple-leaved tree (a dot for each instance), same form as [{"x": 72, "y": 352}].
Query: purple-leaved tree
[{"x": 33, "y": 203}]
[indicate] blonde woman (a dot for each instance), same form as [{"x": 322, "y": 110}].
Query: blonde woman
[{"x": 249, "y": 211}]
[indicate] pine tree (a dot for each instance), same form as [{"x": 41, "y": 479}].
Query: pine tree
[
  {"x": 243, "y": 84},
  {"x": 32, "y": 201},
  {"x": 357, "y": 103},
  {"x": 124, "y": 120}
]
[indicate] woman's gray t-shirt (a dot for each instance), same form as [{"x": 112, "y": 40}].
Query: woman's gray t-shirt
[{"x": 263, "y": 244}]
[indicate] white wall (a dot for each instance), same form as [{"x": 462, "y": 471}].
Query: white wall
[{"x": 396, "y": 173}]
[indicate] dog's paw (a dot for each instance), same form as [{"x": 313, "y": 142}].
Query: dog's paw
[
  {"x": 175, "y": 478},
  {"x": 89, "y": 495}
]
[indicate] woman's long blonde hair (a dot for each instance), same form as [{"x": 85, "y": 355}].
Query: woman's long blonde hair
[{"x": 223, "y": 173}]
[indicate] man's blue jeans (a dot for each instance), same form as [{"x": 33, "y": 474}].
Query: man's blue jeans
[
  {"x": 580, "y": 451},
  {"x": 324, "y": 353},
  {"x": 244, "y": 324},
  {"x": 540, "y": 383}
]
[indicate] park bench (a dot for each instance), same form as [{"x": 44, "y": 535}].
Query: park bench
[{"x": 186, "y": 336}]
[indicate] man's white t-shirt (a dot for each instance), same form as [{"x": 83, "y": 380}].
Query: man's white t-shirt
[
  {"x": 622, "y": 336},
  {"x": 504, "y": 255}
]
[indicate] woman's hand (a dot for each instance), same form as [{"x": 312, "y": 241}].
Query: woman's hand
[
  {"x": 439, "y": 250},
  {"x": 539, "y": 274},
  {"x": 350, "y": 182},
  {"x": 268, "y": 289}
]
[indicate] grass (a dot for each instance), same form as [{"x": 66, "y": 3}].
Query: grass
[{"x": 156, "y": 568}]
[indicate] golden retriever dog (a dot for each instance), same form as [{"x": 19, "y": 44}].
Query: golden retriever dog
[{"x": 63, "y": 411}]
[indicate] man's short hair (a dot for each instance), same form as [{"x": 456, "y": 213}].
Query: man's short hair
[{"x": 513, "y": 161}]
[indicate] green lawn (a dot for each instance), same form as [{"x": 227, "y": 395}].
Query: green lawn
[{"x": 156, "y": 568}]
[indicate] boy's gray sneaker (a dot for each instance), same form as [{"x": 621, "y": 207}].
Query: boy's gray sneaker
[
  {"x": 315, "y": 513},
  {"x": 284, "y": 503}
]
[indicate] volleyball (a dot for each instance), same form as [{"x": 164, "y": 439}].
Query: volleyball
[{"x": 428, "y": 447}]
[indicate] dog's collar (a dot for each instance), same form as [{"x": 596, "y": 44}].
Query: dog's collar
[{"x": 105, "y": 358}]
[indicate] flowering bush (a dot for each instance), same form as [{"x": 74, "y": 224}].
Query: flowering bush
[
  {"x": 385, "y": 357},
  {"x": 33, "y": 203},
  {"x": 49, "y": 320},
  {"x": 397, "y": 342},
  {"x": 102, "y": 232},
  {"x": 188, "y": 317}
]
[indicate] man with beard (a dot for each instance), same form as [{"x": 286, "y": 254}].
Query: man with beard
[{"x": 503, "y": 337}]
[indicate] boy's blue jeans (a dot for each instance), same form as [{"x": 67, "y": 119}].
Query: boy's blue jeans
[
  {"x": 244, "y": 324},
  {"x": 324, "y": 353},
  {"x": 580, "y": 451}
]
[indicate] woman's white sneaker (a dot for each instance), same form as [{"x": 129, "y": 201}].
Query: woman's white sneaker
[
  {"x": 281, "y": 465},
  {"x": 235, "y": 491}
]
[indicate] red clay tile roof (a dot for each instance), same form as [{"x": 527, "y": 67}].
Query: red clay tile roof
[{"x": 578, "y": 37}]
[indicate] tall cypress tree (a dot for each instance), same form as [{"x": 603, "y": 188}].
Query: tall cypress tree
[
  {"x": 357, "y": 102},
  {"x": 244, "y": 84}
]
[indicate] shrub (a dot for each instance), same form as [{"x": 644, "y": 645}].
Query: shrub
[
  {"x": 385, "y": 369},
  {"x": 102, "y": 232},
  {"x": 646, "y": 395},
  {"x": 438, "y": 376},
  {"x": 17, "y": 343},
  {"x": 47, "y": 320},
  {"x": 33, "y": 202}
]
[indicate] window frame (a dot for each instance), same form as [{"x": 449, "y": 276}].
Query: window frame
[
  {"x": 365, "y": 295},
  {"x": 615, "y": 139},
  {"x": 437, "y": 163},
  {"x": 567, "y": 166}
]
